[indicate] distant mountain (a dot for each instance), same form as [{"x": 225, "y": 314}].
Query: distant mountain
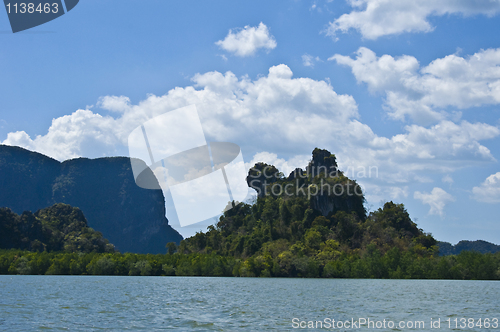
[
  {"x": 60, "y": 227},
  {"x": 131, "y": 218},
  {"x": 481, "y": 246}
]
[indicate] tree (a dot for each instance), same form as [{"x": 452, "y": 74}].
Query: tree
[{"x": 171, "y": 248}]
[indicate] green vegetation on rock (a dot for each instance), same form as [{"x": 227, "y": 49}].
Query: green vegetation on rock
[
  {"x": 481, "y": 246},
  {"x": 309, "y": 224},
  {"x": 132, "y": 218},
  {"x": 56, "y": 228}
]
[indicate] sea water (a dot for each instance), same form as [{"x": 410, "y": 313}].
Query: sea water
[{"x": 95, "y": 303}]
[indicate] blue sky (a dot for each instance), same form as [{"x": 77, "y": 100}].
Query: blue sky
[{"x": 412, "y": 88}]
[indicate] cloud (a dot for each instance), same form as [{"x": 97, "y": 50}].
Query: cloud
[
  {"x": 376, "y": 18},
  {"x": 376, "y": 193},
  {"x": 278, "y": 119},
  {"x": 115, "y": 104},
  {"x": 489, "y": 190},
  {"x": 309, "y": 60},
  {"x": 247, "y": 41},
  {"x": 415, "y": 155},
  {"x": 447, "y": 179},
  {"x": 232, "y": 109},
  {"x": 424, "y": 93},
  {"x": 437, "y": 200},
  {"x": 83, "y": 133},
  {"x": 285, "y": 166}
]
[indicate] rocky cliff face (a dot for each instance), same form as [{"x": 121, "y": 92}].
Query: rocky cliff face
[
  {"x": 131, "y": 218},
  {"x": 326, "y": 187},
  {"x": 329, "y": 204}
]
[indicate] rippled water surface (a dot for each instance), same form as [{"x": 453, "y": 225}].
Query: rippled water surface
[{"x": 85, "y": 303}]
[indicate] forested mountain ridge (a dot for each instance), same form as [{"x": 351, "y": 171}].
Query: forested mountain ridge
[
  {"x": 60, "y": 227},
  {"x": 297, "y": 232},
  {"x": 481, "y": 246},
  {"x": 305, "y": 230},
  {"x": 131, "y": 218}
]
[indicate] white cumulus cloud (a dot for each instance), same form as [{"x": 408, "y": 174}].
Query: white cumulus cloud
[
  {"x": 376, "y": 18},
  {"x": 245, "y": 42},
  {"x": 285, "y": 166},
  {"x": 489, "y": 190},
  {"x": 277, "y": 119},
  {"x": 83, "y": 133},
  {"x": 114, "y": 103},
  {"x": 436, "y": 199},
  {"x": 424, "y": 93}
]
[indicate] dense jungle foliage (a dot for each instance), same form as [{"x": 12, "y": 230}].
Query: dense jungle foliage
[
  {"x": 56, "y": 228},
  {"x": 300, "y": 231}
]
